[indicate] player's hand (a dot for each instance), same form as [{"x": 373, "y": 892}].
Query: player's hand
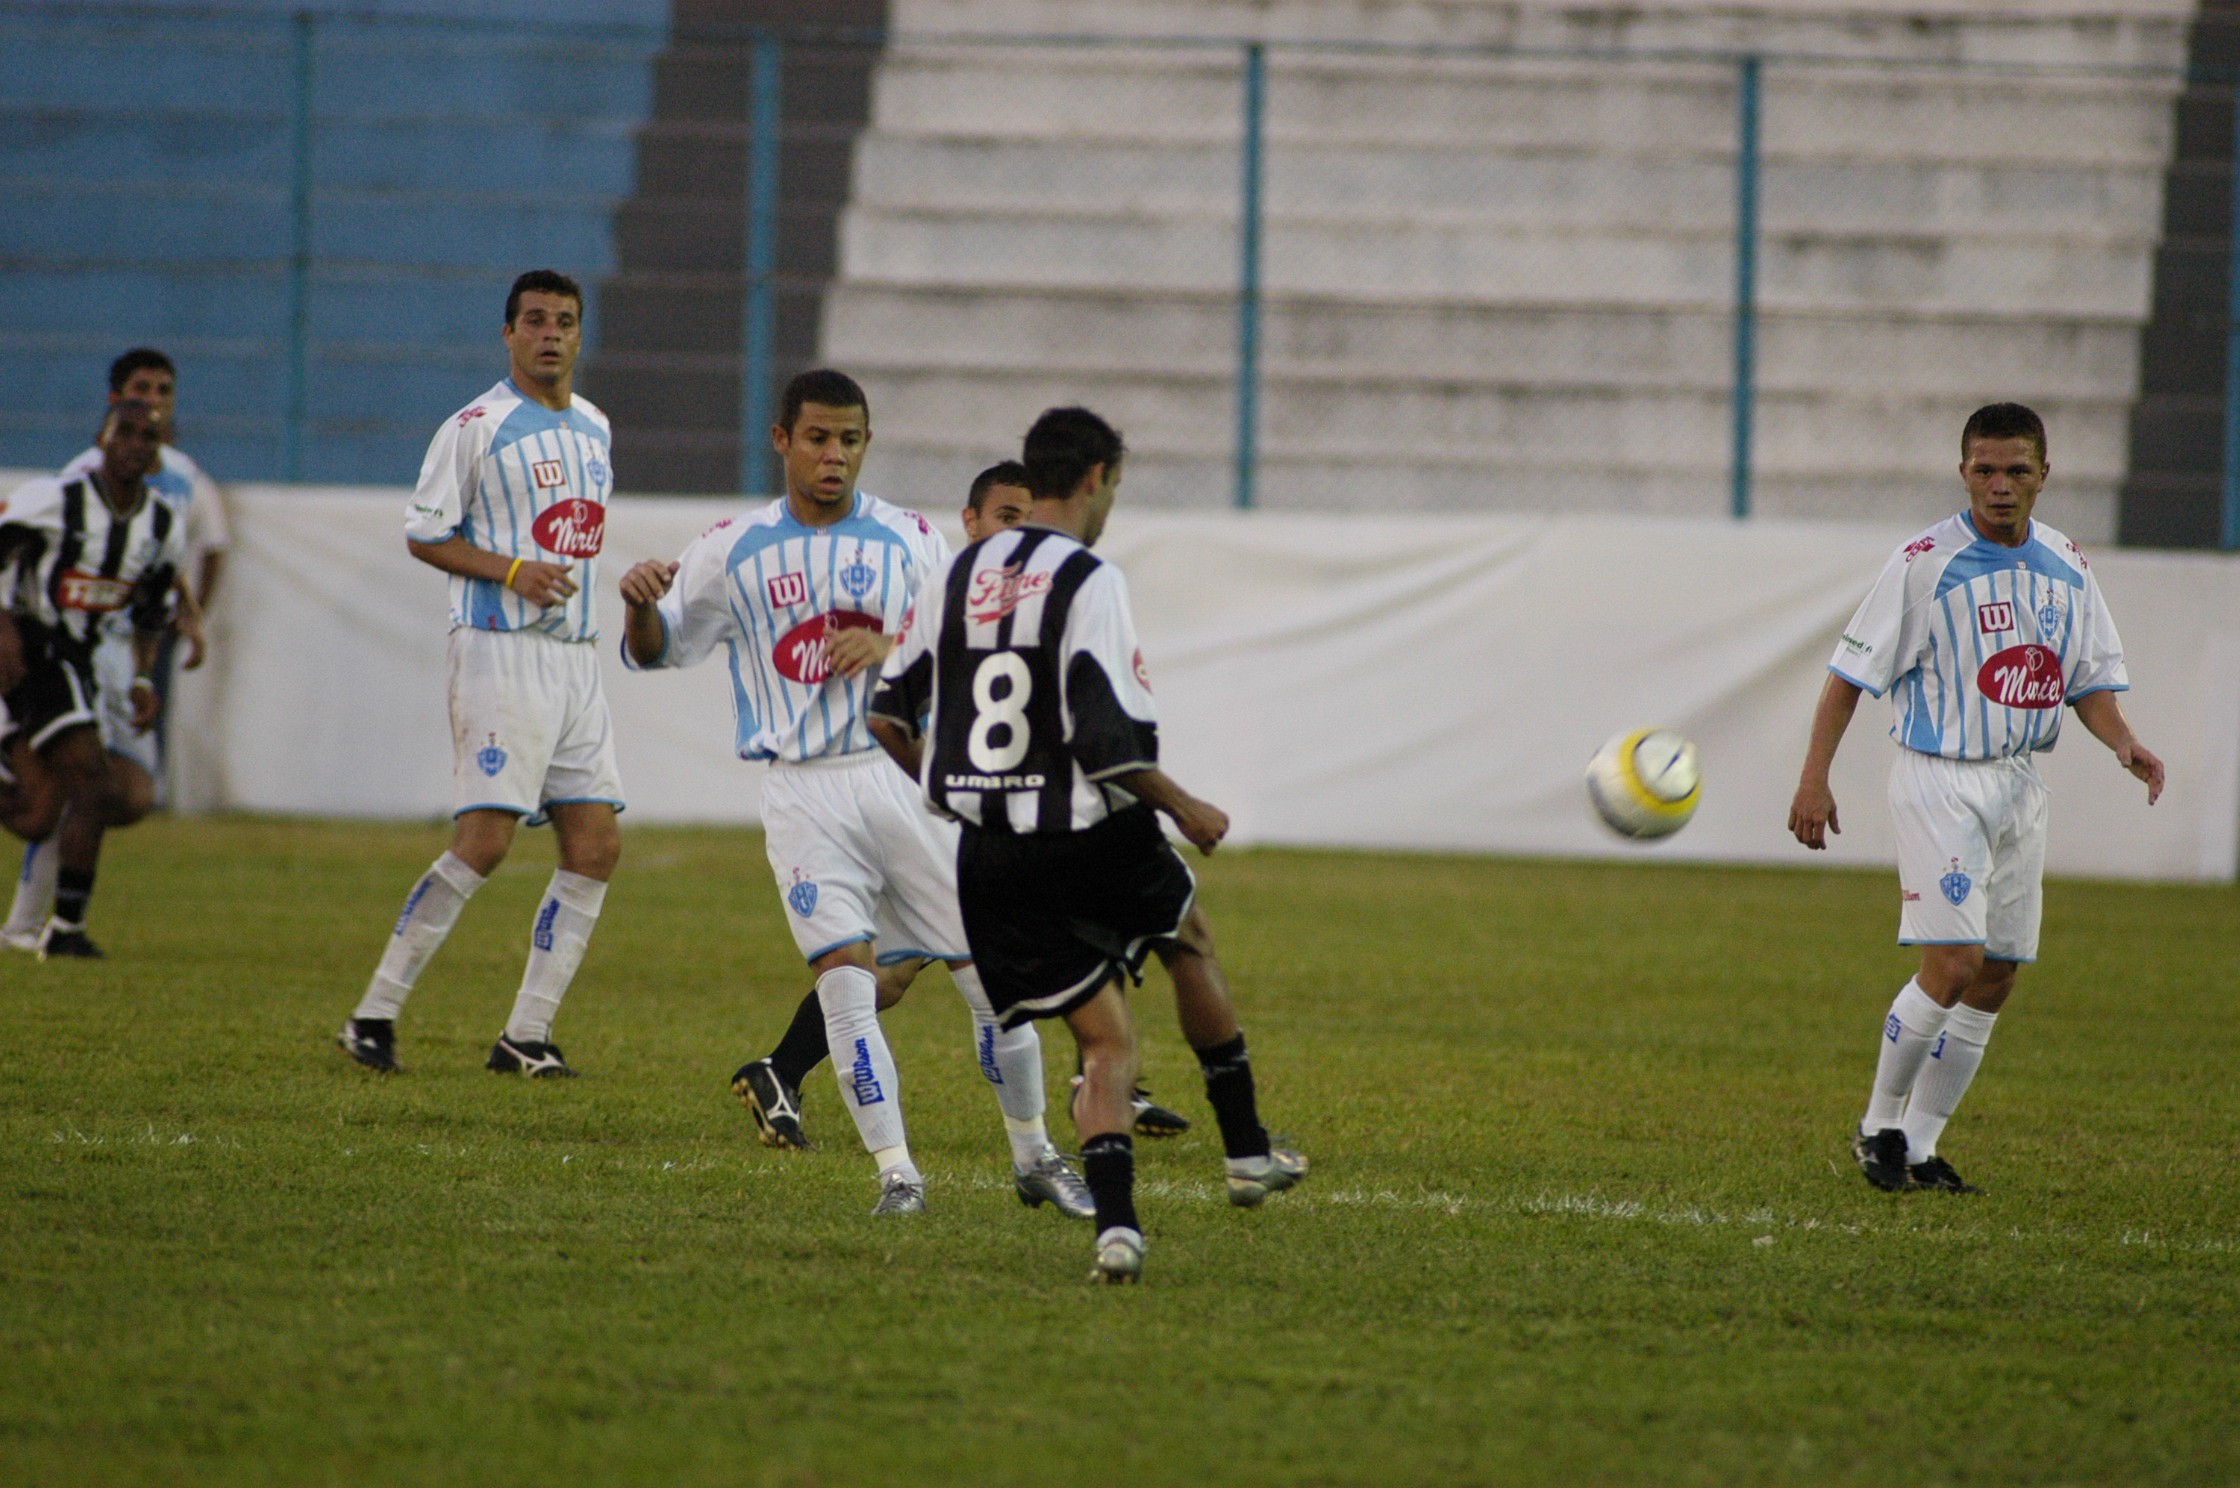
[
  {"x": 848, "y": 652},
  {"x": 189, "y": 625},
  {"x": 1202, "y": 823},
  {"x": 1812, "y": 815},
  {"x": 646, "y": 582},
  {"x": 145, "y": 705},
  {"x": 545, "y": 584},
  {"x": 2145, "y": 764}
]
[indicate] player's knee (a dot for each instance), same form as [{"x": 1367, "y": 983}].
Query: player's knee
[
  {"x": 1949, "y": 970},
  {"x": 133, "y": 798}
]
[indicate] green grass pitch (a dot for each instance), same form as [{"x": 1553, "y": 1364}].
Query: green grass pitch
[{"x": 1581, "y": 1211}]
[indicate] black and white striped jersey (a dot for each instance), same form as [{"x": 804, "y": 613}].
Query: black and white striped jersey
[
  {"x": 1020, "y": 659},
  {"x": 67, "y": 561}
]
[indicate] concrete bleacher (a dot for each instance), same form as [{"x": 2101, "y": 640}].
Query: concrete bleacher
[
  {"x": 1506, "y": 282},
  {"x": 147, "y": 162}
]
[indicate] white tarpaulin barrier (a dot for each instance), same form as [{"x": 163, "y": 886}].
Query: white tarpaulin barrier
[{"x": 1405, "y": 682}]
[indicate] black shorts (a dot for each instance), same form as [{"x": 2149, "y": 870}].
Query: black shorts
[
  {"x": 57, "y": 692},
  {"x": 1053, "y": 916}
]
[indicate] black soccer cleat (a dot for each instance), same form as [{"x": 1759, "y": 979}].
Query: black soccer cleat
[
  {"x": 372, "y": 1042},
  {"x": 1151, "y": 1118},
  {"x": 61, "y": 940},
  {"x": 1937, "y": 1174},
  {"x": 1882, "y": 1157},
  {"x": 775, "y": 1105},
  {"x": 528, "y": 1057}
]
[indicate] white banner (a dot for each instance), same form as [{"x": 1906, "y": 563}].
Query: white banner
[{"x": 1406, "y": 682}]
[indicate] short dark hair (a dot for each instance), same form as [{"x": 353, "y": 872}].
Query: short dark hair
[
  {"x": 1062, "y": 447},
  {"x": 821, "y": 385},
  {"x": 544, "y": 281},
  {"x": 139, "y": 359},
  {"x": 1002, "y": 473},
  {"x": 2004, "y": 421}
]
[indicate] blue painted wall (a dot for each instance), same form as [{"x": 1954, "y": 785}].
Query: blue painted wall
[{"x": 146, "y": 160}]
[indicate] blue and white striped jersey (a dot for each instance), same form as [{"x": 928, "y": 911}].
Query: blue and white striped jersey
[
  {"x": 516, "y": 478},
  {"x": 770, "y": 590},
  {"x": 1981, "y": 644}
]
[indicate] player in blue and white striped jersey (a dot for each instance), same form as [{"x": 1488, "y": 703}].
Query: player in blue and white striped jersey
[
  {"x": 803, "y": 597},
  {"x": 1980, "y": 630},
  {"x": 512, "y": 504}
]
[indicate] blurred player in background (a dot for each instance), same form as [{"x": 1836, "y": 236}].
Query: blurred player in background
[
  {"x": 146, "y": 376},
  {"x": 76, "y": 551},
  {"x": 1981, "y": 629},
  {"x": 1017, "y": 697},
  {"x": 803, "y": 595},
  {"x": 512, "y": 503}
]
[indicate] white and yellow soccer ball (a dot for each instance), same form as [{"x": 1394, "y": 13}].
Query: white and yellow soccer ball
[{"x": 1645, "y": 783}]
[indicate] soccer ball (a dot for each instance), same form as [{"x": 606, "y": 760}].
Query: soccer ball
[{"x": 1645, "y": 783}]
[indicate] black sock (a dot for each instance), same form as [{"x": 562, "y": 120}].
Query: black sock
[
  {"x": 1228, "y": 1072},
  {"x": 804, "y": 1047},
  {"x": 1108, "y": 1162},
  {"x": 72, "y": 888}
]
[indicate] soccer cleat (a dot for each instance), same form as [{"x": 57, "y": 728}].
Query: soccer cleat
[
  {"x": 1119, "y": 1257},
  {"x": 1938, "y": 1174},
  {"x": 1279, "y": 1170},
  {"x": 1151, "y": 1118},
  {"x": 775, "y": 1105},
  {"x": 372, "y": 1042},
  {"x": 1052, "y": 1180},
  {"x": 1882, "y": 1157},
  {"x": 61, "y": 938},
  {"x": 899, "y": 1193},
  {"x": 528, "y": 1057}
]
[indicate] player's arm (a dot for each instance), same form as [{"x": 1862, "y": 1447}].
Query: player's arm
[
  {"x": 534, "y": 580},
  {"x": 854, "y": 651},
  {"x": 902, "y": 744},
  {"x": 188, "y": 622},
  {"x": 1201, "y": 822},
  {"x": 12, "y": 665},
  {"x": 644, "y": 633},
  {"x": 1812, "y": 812},
  {"x": 2103, "y": 715}
]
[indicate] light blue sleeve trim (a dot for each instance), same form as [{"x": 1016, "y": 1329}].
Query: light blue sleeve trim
[
  {"x": 1866, "y": 687},
  {"x": 631, "y": 663}
]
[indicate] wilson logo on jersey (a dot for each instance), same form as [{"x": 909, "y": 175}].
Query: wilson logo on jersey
[
  {"x": 549, "y": 475},
  {"x": 996, "y": 592},
  {"x": 1993, "y": 618},
  {"x": 90, "y": 592},
  {"x": 574, "y": 527},
  {"x": 788, "y": 590},
  {"x": 2022, "y": 677},
  {"x": 802, "y": 653}
]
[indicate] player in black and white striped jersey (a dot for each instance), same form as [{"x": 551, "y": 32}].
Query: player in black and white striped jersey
[
  {"x": 75, "y": 550},
  {"x": 1040, "y": 736}
]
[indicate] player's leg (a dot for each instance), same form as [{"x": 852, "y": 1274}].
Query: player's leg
[
  {"x": 770, "y": 1087},
  {"x": 31, "y": 807},
  {"x": 102, "y": 791},
  {"x": 1010, "y": 1060},
  {"x": 1256, "y": 1166},
  {"x": 870, "y": 1086},
  {"x": 135, "y": 756},
  {"x": 1106, "y": 1037},
  {"x": 590, "y": 844}
]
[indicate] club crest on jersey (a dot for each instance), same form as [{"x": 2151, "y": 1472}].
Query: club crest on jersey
[
  {"x": 92, "y": 593},
  {"x": 2022, "y": 677},
  {"x": 858, "y": 577},
  {"x": 1993, "y": 618},
  {"x": 490, "y": 758},
  {"x": 803, "y": 654},
  {"x": 575, "y": 527},
  {"x": 2049, "y": 617},
  {"x": 548, "y": 474},
  {"x": 996, "y": 592},
  {"x": 788, "y": 590},
  {"x": 595, "y": 471},
  {"x": 802, "y": 895},
  {"x": 1956, "y": 884}
]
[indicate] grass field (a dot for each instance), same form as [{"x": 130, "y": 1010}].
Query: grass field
[{"x": 1580, "y": 1212}]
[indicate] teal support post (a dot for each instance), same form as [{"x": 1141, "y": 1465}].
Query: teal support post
[
  {"x": 1745, "y": 394},
  {"x": 296, "y": 383},
  {"x": 1248, "y": 276},
  {"x": 765, "y": 115}
]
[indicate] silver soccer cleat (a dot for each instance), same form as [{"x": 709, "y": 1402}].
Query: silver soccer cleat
[
  {"x": 1279, "y": 1170},
  {"x": 1052, "y": 1180},
  {"x": 900, "y": 1195},
  {"x": 1119, "y": 1257}
]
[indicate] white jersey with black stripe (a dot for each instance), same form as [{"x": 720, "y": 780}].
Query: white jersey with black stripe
[
  {"x": 521, "y": 480},
  {"x": 68, "y": 562}
]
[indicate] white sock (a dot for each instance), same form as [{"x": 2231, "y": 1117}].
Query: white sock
[
  {"x": 869, "y": 1087},
  {"x": 1952, "y": 1064},
  {"x": 430, "y": 910},
  {"x": 1012, "y": 1063},
  {"x": 556, "y": 944},
  {"x": 35, "y": 885},
  {"x": 1914, "y": 1022}
]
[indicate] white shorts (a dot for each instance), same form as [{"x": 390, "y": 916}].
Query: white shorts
[
  {"x": 1971, "y": 852},
  {"x": 113, "y": 671},
  {"x": 529, "y": 724},
  {"x": 858, "y": 857}
]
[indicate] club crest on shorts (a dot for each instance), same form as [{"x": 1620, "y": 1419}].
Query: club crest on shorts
[
  {"x": 1956, "y": 884},
  {"x": 802, "y": 895},
  {"x": 490, "y": 758}
]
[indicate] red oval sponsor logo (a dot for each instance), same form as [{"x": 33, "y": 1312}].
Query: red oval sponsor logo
[
  {"x": 2023, "y": 677},
  {"x": 800, "y": 652},
  {"x": 575, "y": 528}
]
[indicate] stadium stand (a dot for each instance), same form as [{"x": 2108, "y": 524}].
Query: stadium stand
[{"x": 1507, "y": 284}]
